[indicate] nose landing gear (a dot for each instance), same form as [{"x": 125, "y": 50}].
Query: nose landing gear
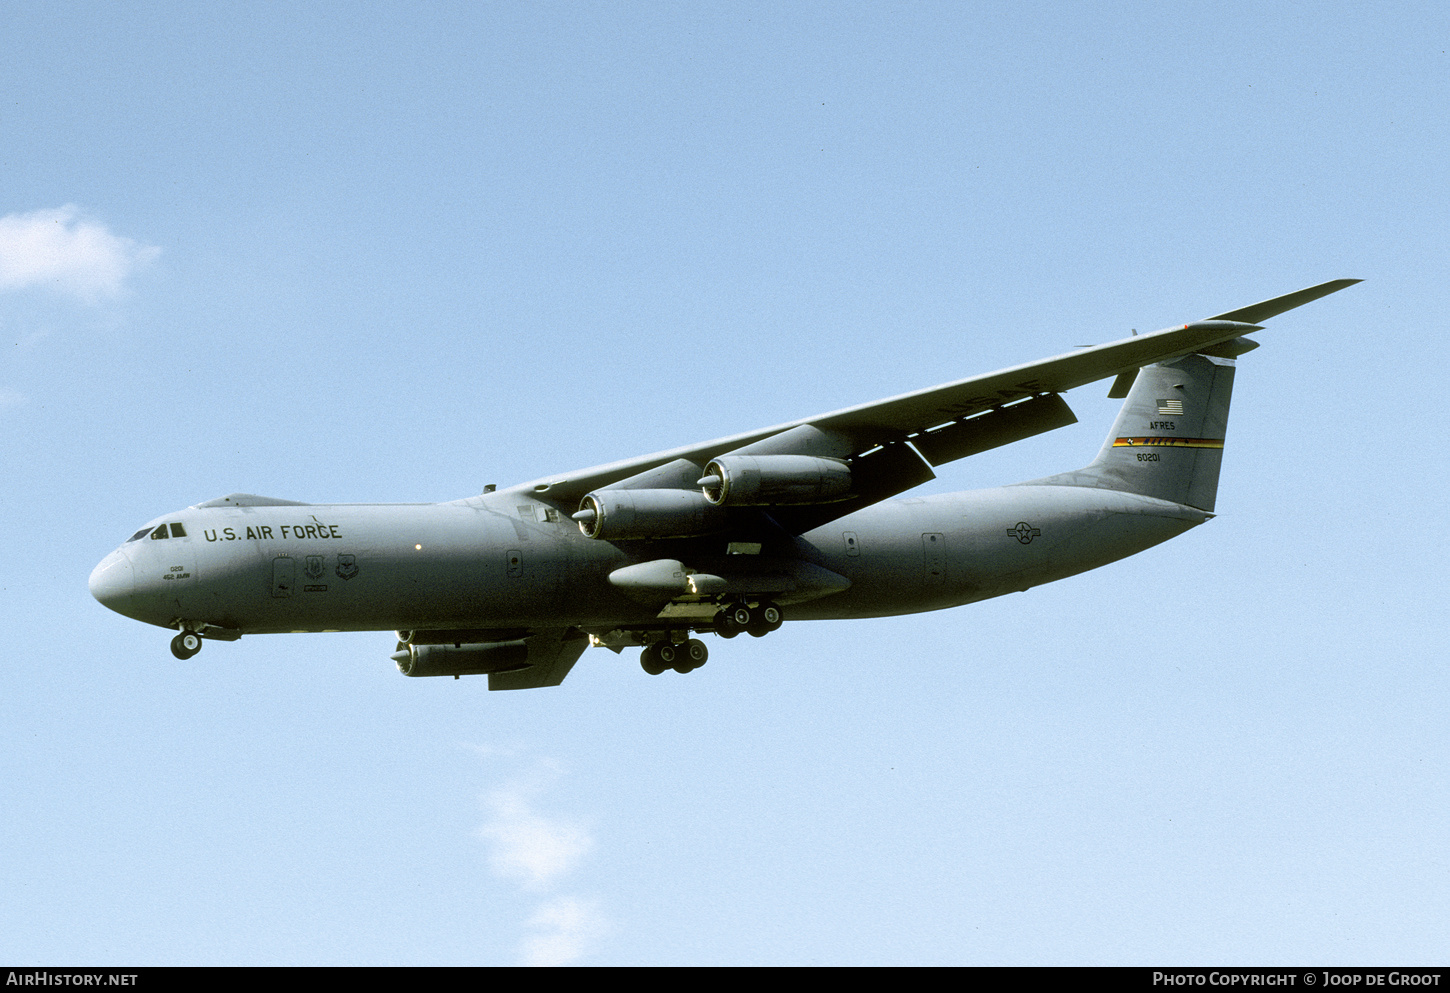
[{"x": 185, "y": 645}]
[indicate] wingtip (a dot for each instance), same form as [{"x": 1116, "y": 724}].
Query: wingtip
[{"x": 1262, "y": 311}]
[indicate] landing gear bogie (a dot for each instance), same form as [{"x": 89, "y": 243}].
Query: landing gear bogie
[
  {"x": 758, "y": 621},
  {"x": 735, "y": 618},
  {"x": 649, "y": 660},
  {"x": 765, "y": 619},
  {"x": 695, "y": 655},
  {"x": 682, "y": 658}
]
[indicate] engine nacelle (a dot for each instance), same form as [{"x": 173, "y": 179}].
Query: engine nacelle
[
  {"x": 763, "y": 480},
  {"x": 622, "y": 515},
  {"x": 461, "y": 660}
]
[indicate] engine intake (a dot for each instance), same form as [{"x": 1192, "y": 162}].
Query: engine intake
[{"x": 765, "y": 480}]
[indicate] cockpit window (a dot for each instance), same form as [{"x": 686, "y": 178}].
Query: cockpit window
[{"x": 177, "y": 531}]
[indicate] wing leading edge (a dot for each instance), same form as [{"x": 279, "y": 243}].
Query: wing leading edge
[{"x": 950, "y": 421}]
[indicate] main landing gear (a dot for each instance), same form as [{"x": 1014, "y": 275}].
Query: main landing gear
[
  {"x": 663, "y": 655},
  {"x": 757, "y": 621},
  {"x": 185, "y": 645}
]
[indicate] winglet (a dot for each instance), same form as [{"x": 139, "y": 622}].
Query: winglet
[{"x": 1257, "y": 312}]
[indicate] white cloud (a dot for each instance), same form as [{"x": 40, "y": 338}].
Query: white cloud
[
  {"x": 10, "y": 398},
  {"x": 536, "y": 852},
  {"x": 528, "y": 847},
  {"x": 565, "y": 929},
  {"x": 58, "y": 250}
]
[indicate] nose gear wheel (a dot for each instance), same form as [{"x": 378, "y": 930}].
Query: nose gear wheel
[{"x": 185, "y": 645}]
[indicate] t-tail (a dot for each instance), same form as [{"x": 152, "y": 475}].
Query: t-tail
[{"x": 1167, "y": 442}]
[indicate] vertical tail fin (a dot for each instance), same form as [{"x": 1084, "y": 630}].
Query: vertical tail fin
[
  {"x": 1167, "y": 442},
  {"x": 1168, "y": 439}
]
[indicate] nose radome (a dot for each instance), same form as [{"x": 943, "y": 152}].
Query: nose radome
[{"x": 113, "y": 582}]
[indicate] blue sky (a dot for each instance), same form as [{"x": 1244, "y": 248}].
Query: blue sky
[{"x": 370, "y": 252}]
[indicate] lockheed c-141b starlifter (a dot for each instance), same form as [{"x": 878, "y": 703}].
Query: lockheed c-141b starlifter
[{"x": 792, "y": 522}]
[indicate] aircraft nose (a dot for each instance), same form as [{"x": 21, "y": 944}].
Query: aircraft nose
[{"x": 113, "y": 582}]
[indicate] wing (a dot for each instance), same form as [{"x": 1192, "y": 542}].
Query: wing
[{"x": 892, "y": 444}]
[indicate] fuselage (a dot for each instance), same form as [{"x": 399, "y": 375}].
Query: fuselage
[{"x": 506, "y": 561}]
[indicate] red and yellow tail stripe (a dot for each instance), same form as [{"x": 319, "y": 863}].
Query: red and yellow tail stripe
[{"x": 1164, "y": 441}]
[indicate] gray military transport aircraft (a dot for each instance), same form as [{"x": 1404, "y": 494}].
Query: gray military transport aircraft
[{"x": 734, "y": 535}]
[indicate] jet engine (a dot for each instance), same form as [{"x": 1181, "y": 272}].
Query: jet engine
[
  {"x": 622, "y": 514},
  {"x": 461, "y": 660},
  {"x": 763, "y": 480}
]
